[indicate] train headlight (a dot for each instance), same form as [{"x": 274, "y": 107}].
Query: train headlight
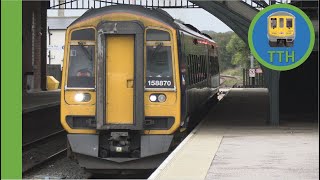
[
  {"x": 79, "y": 97},
  {"x": 153, "y": 98},
  {"x": 162, "y": 98},
  {"x": 82, "y": 97}
]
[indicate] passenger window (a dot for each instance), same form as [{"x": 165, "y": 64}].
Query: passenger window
[
  {"x": 281, "y": 23},
  {"x": 81, "y": 66},
  {"x": 273, "y": 22},
  {"x": 289, "y": 23},
  {"x": 157, "y": 35}
]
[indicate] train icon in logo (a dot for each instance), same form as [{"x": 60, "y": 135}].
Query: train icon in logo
[{"x": 281, "y": 29}]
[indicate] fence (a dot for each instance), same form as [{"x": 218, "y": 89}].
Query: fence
[{"x": 253, "y": 78}]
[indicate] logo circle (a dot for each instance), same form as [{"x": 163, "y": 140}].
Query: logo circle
[{"x": 281, "y": 37}]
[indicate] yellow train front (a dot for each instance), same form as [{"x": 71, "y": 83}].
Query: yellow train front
[
  {"x": 281, "y": 29},
  {"x": 132, "y": 79}
]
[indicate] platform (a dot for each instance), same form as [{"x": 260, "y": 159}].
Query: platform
[
  {"x": 41, "y": 115},
  {"x": 234, "y": 141},
  {"x": 39, "y": 100}
]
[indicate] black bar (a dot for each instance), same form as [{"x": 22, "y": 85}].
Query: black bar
[{"x": 243, "y": 77}]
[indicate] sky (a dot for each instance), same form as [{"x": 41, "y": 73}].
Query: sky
[{"x": 199, "y": 18}]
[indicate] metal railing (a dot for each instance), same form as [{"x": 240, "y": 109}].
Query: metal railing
[
  {"x": 88, "y": 4},
  {"x": 260, "y": 4},
  {"x": 255, "y": 81}
]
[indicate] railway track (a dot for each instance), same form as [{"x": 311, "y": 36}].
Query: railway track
[
  {"x": 224, "y": 78},
  {"x": 30, "y": 144},
  {"x": 42, "y": 150}
]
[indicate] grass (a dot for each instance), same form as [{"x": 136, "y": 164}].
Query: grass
[{"x": 233, "y": 72}]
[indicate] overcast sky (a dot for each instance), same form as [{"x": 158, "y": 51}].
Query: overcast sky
[{"x": 199, "y": 18}]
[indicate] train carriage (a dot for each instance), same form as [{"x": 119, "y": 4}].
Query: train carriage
[
  {"x": 132, "y": 78},
  {"x": 281, "y": 29}
]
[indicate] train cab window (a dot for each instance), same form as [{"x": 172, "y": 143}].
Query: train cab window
[
  {"x": 81, "y": 66},
  {"x": 83, "y": 34},
  {"x": 159, "y": 67},
  {"x": 289, "y": 23},
  {"x": 159, "y": 63},
  {"x": 157, "y": 35},
  {"x": 273, "y": 22},
  {"x": 281, "y": 23}
]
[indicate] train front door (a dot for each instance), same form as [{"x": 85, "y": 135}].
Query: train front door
[
  {"x": 119, "y": 79},
  {"x": 120, "y": 76}
]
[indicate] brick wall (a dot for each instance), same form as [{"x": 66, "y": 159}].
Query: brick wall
[{"x": 34, "y": 44}]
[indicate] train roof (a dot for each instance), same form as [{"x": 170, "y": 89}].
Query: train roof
[
  {"x": 157, "y": 14},
  {"x": 281, "y": 13}
]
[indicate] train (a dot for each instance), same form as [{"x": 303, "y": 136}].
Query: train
[
  {"x": 281, "y": 29},
  {"x": 132, "y": 79}
]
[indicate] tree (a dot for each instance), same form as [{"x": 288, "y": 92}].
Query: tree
[
  {"x": 222, "y": 39},
  {"x": 239, "y": 52}
]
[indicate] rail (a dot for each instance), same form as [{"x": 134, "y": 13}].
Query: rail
[{"x": 40, "y": 151}]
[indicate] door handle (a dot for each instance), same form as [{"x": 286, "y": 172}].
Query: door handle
[{"x": 129, "y": 83}]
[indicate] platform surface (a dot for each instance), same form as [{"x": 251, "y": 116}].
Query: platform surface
[
  {"x": 234, "y": 142},
  {"x": 39, "y": 100}
]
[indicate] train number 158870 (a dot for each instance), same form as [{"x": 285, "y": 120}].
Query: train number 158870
[{"x": 159, "y": 83}]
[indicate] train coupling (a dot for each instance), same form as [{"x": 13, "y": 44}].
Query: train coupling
[{"x": 119, "y": 142}]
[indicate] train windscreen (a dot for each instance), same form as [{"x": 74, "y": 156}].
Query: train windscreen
[
  {"x": 81, "y": 66},
  {"x": 273, "y": 22},
  {"x": 289, "y": 23},
  {"x": 159, "y": 67}
]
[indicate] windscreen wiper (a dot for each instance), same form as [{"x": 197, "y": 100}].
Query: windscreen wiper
[
  {"x": 159, "y": 46},
  {"x": 85, "y": 51}
]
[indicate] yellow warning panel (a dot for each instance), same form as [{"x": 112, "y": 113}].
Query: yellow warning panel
[{"x": 52, "y": 83}]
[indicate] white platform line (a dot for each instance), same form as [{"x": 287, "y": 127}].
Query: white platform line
[
  {"x": 174, "y": 152},
  {"x": 167, "y": 161}
]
